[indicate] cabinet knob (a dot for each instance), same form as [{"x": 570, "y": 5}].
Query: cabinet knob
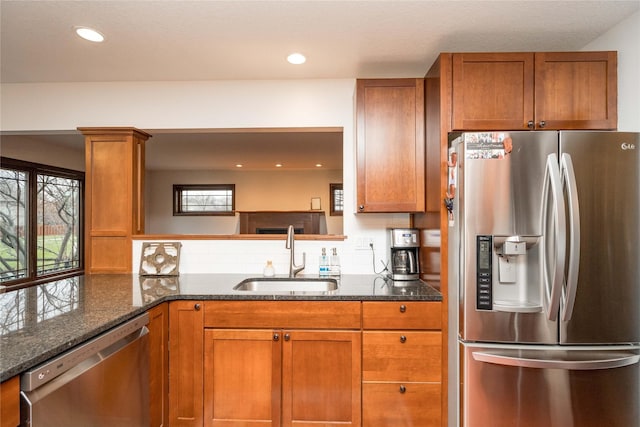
[
  {"x": 403, "y": 389},
  {"x": 287, "y": 337},
  {"x": 530, "y": 124},
  {"x": 276, "y": 337},
  {"x": 196, "y": 307},
  {"x": 542, "y": 123},
  {"x": 361, "y": 207},
  {"x": 403, "y": 308},
  {"x": 403, "y": 339}
]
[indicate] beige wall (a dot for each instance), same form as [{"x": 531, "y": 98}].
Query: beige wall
[
  {"x": 624, "y": 38},
  {"x": 22, "y": 147},
  {"x": 255, "y": 190}
]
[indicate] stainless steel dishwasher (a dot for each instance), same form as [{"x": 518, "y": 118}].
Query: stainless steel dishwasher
[{"x": 102, "y": 383}]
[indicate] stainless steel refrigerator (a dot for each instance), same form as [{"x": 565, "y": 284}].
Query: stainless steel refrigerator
[{"x": 544, "y": 277}]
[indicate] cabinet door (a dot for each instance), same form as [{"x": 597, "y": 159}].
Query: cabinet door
[
  {"x": 576, "y": 90},
  {"x": 186, "y": 322},
  {"x": 10, "y": 402},
  {"x": 390, "y": 145},
  {"x": 492, "y": 91},
  {"x": 159, "y": 365},
  {"x": 242, "y": 374},
  {"x": 401, "y": 405},
  {"x": 321, "y": 378}
]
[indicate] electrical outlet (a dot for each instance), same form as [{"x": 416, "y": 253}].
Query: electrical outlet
[{"x": 364, "y": 243}]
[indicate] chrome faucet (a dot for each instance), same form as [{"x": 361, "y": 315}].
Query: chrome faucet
[{"x": 293, "y": 268}]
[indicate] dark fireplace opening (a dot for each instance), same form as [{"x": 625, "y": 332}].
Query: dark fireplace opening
[
  {"x": 277, "y": 230},
  {"x": 277, "y": 222}
]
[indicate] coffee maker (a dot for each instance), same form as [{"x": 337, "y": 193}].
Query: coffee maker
[{"x": 404, "y": 256}]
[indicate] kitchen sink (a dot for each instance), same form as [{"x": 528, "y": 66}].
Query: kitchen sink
[{"x": 287, "y": 284}]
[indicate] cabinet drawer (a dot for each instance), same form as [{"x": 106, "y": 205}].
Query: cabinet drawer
[
  {"x": 402, "y": 315},
  {"x": 385, "y": 405},
  {"x": 401, "y": 356},
  {"x": 282, "y": 314}
]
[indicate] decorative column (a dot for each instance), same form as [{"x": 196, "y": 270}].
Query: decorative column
[{"x": 114, "y": 196}]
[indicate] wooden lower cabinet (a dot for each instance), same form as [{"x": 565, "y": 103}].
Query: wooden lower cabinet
[
  {"x": 159, "y": 365},
  {"x": 401, "y": 364},
  {"x": 10, "y": 402},
  {"x": 308, "y": 364},
  {"x": 281, "y": 377},
  {"x": 321, "y": 373},
  {"x": 186, "y": 329},
  {"x": 242, "y": 371}
]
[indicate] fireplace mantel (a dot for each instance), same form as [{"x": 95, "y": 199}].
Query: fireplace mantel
[{"x": 277, "y": 222}]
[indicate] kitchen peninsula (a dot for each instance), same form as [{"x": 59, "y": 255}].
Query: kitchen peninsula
[{"x": 42, "y": 322}]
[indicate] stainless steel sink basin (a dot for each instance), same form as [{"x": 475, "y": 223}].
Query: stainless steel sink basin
[{"x": 285, "y": 284}]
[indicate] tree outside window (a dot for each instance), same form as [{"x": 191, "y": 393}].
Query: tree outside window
[{"x": 40, "y": 222}]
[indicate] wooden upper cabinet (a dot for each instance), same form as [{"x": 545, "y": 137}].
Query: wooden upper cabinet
[
  {"x": 520, "y": 91},
  {"x": 390, "y": 145},
  {"x": 576, "y": 90},
  {"x": 492, "y": 91}
]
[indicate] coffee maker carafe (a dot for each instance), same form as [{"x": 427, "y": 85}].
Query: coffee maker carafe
[{"x": 404, "y": 257}]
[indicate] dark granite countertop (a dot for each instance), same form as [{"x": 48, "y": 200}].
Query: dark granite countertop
[{"x": 40, "y": 322}]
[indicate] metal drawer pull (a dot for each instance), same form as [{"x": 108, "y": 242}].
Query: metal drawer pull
[
  {"x": 403, "y": 389},
  {"x": 403, "y": 339},
  {"x": 287, "y": 337},
  {"x": 403, "y": 308},
  {"x": 276, "y": 337}
]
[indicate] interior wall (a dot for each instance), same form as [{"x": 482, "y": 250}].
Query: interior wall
[
  {"x": 255, "y": 191},
  {"x": 624, "y": 38},
  {"x": 207, "y": 105},
  {"x": 21, "y": 147}
]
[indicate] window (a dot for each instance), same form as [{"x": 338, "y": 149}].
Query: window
[
  {"x": 204, "y": 199},
  {"x": 337, "y": 199},
  {"x": 40, "y": 222}
]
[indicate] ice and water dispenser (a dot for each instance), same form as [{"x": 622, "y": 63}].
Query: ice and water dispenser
[{"x": 508, "y": 274}]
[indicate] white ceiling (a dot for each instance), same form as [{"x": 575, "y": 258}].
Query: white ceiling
[
  {"x": 209, "y": 40},
  {"x": 212, "y": 39}
]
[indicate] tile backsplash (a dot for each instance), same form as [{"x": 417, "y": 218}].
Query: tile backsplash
[{"x": 251, "y": 256}]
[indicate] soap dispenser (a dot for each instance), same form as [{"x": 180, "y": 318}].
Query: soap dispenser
[
  {"x": 269, "y": 271},
  {"x": 324, "y": 263},
  {"x": 334, "y": 268}
]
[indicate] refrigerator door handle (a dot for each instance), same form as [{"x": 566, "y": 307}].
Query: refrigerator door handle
[
  {"x": 552, "y": 290},
  {"x": 569, "y": 183},
  {"x": 615, "y": 361}
]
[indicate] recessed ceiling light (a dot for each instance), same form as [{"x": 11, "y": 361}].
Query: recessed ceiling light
[
  {"x": 318, "y": 165},
  {"x": 278, "y": 165},
  {"x": 296, "y": 58},
  {"x": 89, "y": 34},
  {"x": 238, "y": 165}
]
